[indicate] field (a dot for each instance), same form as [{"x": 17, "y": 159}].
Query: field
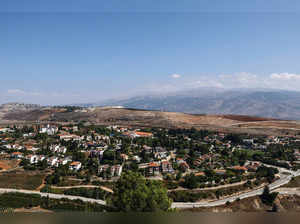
[
  {"x": 21, "y": 180},
  {"x": 8, "y": 164},
  {"x": 142, "y": 118}
]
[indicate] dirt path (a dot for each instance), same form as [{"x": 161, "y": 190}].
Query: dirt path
[
  {"x": 41, "y": 186},
  {"x": 211, "y": 188},
  {"x": 85, "y": 186}
]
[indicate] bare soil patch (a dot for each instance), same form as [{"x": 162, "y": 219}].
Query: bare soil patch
[{"x": 8, "y": 164}]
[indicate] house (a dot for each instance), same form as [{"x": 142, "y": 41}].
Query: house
[
  {"x": 4, "y": 130},
  {"x": 33, "y": 159},
  {"x": 147, "y": 148},
  {"x": 52, "y": 161},
  {"x": 239, "y": 168},
  {"x": 166, "y": 167},
  {"x": 137, "y": 159},
  {"x": 54, "y": 148},
  {"x": 58, "y": 149},
  {"x": 66, "y": 160},
  {"x": 102, "y": 168},
  {"x": 8, "y": 146},
  {"x": 115, "y": 170},
  {"x": 198, "y": 174},
  {"x": 68, "y": 137},
  {"x": 41, "y": 157},
  {"x": 17, "y": 155},
  {"x": 220, "y": 172},
  {"x": 49, "y": 130},
  {"x": 249, "y": 141},
  {"x": 76, "y": 165},
  {"x": 143, "y": 165},
  {"x": 153, "y": 168},
  {"x": 162, "y": 155},
  {"x": 28, "y": 134},
  {"x": 124, "y": 156},
  {"x": 253, "y": 166},
  {"x": 31, "y": 148},
  {"x": 182, "y": 164},
  {"x": 142, "y": 134},
  {"x": 137, "y": 134}
]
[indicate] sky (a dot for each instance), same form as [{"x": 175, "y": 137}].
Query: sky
[{"x": 55, "y": 52}]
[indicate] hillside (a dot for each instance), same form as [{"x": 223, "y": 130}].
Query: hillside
[
  {"x": 147, "y": 118},
  {"x": 16, "y": 107},
  {"x": 285, "y": 203}
]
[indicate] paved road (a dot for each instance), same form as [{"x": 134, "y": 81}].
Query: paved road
[
  {"x": 290, "y": 191},
  {"x": 55, "y": 196},
  {"x": 284, "y": 179}
]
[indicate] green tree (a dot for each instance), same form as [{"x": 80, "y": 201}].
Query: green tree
[
  {"x": 190, "y": 181},
  {"x": 133, "y": 193},
  {"x": 267, "y": 197}
]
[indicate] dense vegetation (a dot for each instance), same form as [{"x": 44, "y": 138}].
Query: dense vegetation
[
  {"x": 19, "y": 200},
  {"x": 267, "y": 197},
  {"x": 133, "y": 193},
  {"x": 95, "y": 193}
]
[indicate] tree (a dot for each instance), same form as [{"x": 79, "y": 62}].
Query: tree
[
  {"x": 79, "y": 156},
  {"x": 267, "y": 197},
  {"x": 42, "y": 164},
  {"x": 133, "y": 193},
  {"x": 190, "y": 181},
  {"x": 178, "y": 176},
  {"x": 275, "y": 208}
]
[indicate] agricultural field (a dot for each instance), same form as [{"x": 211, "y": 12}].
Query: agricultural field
[{"x": 27, "y": 180}]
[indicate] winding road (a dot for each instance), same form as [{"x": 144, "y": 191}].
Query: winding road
[{"x": 285, "y": 177}]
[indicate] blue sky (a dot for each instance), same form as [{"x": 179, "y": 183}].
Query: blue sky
[
  {"x": 149, "y": 5},
  {"x": 51, "y": 57}
]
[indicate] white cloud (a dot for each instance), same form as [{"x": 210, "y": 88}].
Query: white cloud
[
  {"x": 175, "y": 76},
  {"x": 283, "y": 81},
  {"x": 20, "y": 92},
  {"x": 285, "y": 76},
  {"x": 16, "y": 92}
]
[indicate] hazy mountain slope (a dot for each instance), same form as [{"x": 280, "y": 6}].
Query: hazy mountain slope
[
  {"x": 275, "y": 104},
  {"x": 16, "y": 107}
]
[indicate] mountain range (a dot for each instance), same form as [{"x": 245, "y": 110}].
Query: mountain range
[{"x": 270, "y": 103}]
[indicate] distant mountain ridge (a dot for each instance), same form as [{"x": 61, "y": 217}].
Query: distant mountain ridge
[{"x": 263, "y": 103}]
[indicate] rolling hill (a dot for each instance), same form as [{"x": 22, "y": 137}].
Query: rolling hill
[{"x": 151, "y": 118}]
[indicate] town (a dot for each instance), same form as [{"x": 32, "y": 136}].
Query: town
[{"x": 213, "y": 164}]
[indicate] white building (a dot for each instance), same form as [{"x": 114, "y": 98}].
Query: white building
[
  {"x": 52, "y": 161},
  {"x": 32, "y": 159},
  {"x": 64, "y": 161},
  {"x": 58, "y": 149},
  {"x": 50, "y": 130},
  {"x": 75, "y": 166}
]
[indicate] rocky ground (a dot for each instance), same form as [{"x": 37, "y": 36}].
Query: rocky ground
[{"x": 285, "y": 203}]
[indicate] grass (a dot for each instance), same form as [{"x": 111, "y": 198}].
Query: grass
[
  {"x": 21, "y": 180},
  {"x": 295, "y": 182}
]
